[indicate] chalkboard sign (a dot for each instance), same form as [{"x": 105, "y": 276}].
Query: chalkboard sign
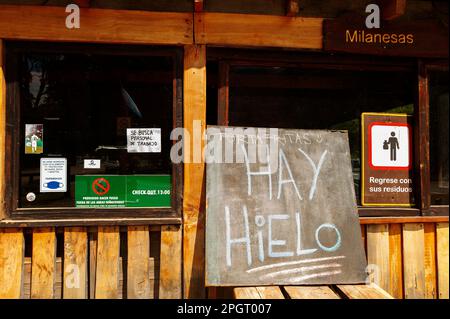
[{"x": 281, "y": 208}]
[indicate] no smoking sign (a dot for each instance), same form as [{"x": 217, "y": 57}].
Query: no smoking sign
[{"x": 101, "y": 186}]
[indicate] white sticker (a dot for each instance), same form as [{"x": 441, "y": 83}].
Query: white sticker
[
  {"x": 143, "y": 140},
  {"x": 31, "y": 197},
  {"x": 92, "y": 163},
  {"x": 53, "y": 175}
]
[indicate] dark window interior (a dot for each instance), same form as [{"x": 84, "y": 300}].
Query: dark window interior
[
  {"x": 79, "y": 98},
  {"x": 438, "y": 93},
  {"x": 309, "y": 98}
]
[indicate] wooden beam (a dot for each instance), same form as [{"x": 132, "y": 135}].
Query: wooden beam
[
  {"x": 97, "y": 25},
  {"x": 194, "y": 173},
  {"x": 249, "y": 30},
  {"x": 392, "y": 9},
  {"x": 2, "y": 130},
  {"x": 292, "y": 7},
  {"x": 402, "y": 220},
  {"x": 422, "y": 139},
  {"x": 198, "y": 5}
]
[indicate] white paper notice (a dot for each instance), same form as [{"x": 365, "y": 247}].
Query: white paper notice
[
  {"x": 143, "y": 140},
  {"x": 53, "y": 177},
  {"x": 92, "y": 163}
]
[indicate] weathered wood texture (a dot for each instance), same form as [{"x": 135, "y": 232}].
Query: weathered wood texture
[
  {"x": 378, "y": 254},
  {"x": 170, "y": 285},
  {"x": 75, "y": 263},
  {"x": 414, "y": 260},
  {"x": 21, "y": 277},
  {"x": 43, "y": 263},
  {"x": 107, "y": 269},
  {"x": 194, "y": 172},
  {"x": 96, "y": 25},
  {"x": 311, "y": 292},
  {"x": 258, "y": 30},
  {"x": 12, "y": 245},
  {"x": 371, "y": 291},
  {"x": 138, "y": 274},
  {"x": 442, "y": 259},
  {"x": 362, "y": 291}
]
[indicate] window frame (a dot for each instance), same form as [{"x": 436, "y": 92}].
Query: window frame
[
  {"x": 228, "y": 58},
  {"x": 425, "y": 66},
  {"x": 74, "y": 215}
]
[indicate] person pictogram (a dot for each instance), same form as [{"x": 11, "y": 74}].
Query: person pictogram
[
  {"x": 393, "y": 145},
  {"x": 34, "y": 139}
]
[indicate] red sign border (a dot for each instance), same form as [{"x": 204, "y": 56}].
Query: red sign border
[{"x": 369, "y": 146}]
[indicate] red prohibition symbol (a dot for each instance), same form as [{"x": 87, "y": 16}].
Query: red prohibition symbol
[{"x": 100, "y": 186}]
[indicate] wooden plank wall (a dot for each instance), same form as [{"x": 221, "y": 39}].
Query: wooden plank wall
[
  {"x": 410, "y": 260},
  {"x": 99, "y": 262}
]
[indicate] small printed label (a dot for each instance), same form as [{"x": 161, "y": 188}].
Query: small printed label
[
  {"x": 144, "y": 140},
  {"x": 92, "y": 163},
  {"x": 53, "y": 177},
  {"x": 34, "y": 142}
]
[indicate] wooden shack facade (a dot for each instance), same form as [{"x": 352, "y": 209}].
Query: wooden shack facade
[{"x": 224, "y": 54}]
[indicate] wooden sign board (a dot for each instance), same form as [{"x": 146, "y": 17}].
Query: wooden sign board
[
  {"x": 387, "y": 174},
  {"x": 417, "y": 38},
  {"x": 285, "y": 217}
]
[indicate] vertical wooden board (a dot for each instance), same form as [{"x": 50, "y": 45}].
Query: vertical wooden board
[
  {"x": 395, "y": 261},
  {"x": 138, "y": 274},
  {"x": 107, "y": 270},
  {"x": 413, "y": 261},
  {"x": 75, "y": 263},
  {"x": 430, "y": 260},
  {"x": 378, "y": 254},
  {"x": 92, "y": 262},
  {"x": 43, "y": 263},
  {"x": 2, "y": 131},
  {"x": 170, "y": 284},
  {"x": 442, "y": 259},
  {"x": 12, "y": 247},
  {"x": 194, "y": 172}
]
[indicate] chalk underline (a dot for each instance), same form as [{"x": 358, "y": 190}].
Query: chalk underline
[{"x": 293, "y": 263}]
